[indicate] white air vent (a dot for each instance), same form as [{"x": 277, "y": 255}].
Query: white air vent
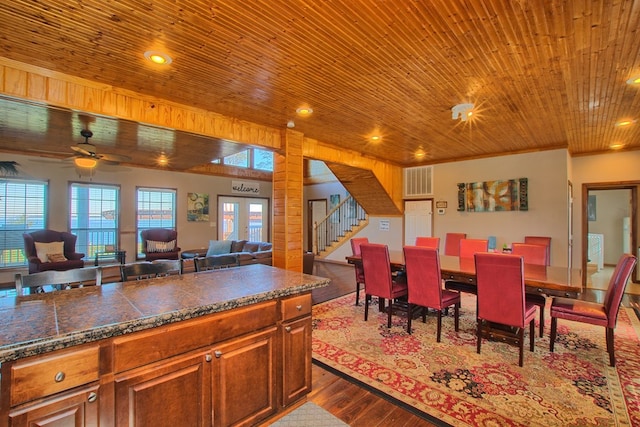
[{"x": 418, "y": 181}]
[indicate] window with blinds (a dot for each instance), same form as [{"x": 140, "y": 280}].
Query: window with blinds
[{"x": 23, "y": 208}]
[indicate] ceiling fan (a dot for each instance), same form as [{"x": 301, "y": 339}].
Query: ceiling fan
[{"x": 87, "y": 156}]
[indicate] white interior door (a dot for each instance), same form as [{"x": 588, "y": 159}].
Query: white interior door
[
  {"x": 418, "y": 220},
  {"x": 243, "y": 218}
]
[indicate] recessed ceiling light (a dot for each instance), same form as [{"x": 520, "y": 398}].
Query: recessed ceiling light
[
  {"x": 304, "y": 111},
  {"x": 375, "y": 138},
  {"x": 616, "y": 146},
  {"x": 625, "y": 122},
  {"x": 634, "y": 80},
  {"x": 158, "y": 57},
  {"x": 420, "y": 153},
  {"x": 462, "y": 112}
]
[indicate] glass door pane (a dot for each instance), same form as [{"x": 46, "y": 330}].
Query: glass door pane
[
  {"x": 243, "y": 218},
  {"x": 230, "y": 220}
]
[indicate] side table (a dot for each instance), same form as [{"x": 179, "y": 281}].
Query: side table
[{"x": 119, "y": 256}]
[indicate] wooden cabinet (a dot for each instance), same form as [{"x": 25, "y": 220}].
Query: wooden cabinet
[
  {"x": 77, "y": 408},
  {"x": 244, "y": 379},
  {"x": 171, "y": 393},
  {"x": 296, "y": 348}
]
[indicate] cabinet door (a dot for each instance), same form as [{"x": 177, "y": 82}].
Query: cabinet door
[
  {"x": 69, "y": 409},
  {"x": 296, "y": 360},
  {"x": 244, "y": 379},
  {"x": 166, "y": 394}
]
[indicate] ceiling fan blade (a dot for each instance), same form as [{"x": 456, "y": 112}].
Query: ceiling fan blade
[
  {"x": 114, "y": 158},
  {"x": 82, "y": 151}
]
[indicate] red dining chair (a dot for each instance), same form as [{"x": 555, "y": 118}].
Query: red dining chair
[
  {"x": 467, "y": 249},
  {"x": 543, "y": 241},
  {"x": 501, "y": 298},
  {"x": 377, "y": 274},
  {"x": 605, "y": 314},
  {"x": 452, "y": 243},
  {"x": 424, "y": 282},
  {"x": 428, "y": 242},
  {"x": 537, "y": 255},
  {"x": 355, "y": 250}
]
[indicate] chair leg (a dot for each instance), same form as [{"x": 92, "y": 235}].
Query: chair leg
[
  {"x": 610, "y": 350},
  {"x": 409, "y": 316},
  {"x": 552, "y": 335},
  {"x": 541, "y": 321},
  {"x": 424, "y": 314},
  {"x": 532, "y": 335},
  {"x": 439, "y": 325},
  {"x": 389, "y": 310},
  {"x": 521, "y": 341},
  {"x": 367, "y": 300},
  {"x": 357, "y": 293},
  {"x": 479, "y": 334},
  {"x": 456, "y": 313}
]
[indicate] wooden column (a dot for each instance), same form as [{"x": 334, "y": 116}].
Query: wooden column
[{"x": 287, "y": 203}]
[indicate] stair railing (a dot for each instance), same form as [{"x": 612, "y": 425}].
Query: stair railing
[{"x": 338, "y": 222}]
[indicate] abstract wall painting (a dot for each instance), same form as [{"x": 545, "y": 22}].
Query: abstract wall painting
[
  {"x": 493, "y": 196},
  {"x": 197, "y": 207}
]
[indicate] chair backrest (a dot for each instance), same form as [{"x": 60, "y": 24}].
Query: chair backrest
[
  {"x": 424, "y": 280},
  {"x": 355, "y": 250},
  {"x": 163, "y": 235},
  {"x": 48, "y": 236},
  {"x": 469, "y": 247},
  {"x": 148, "y": 270},
  {"x": 428, "y": 242},
  {"x": 452, "y": 243},
  {"x": 532, "y": 254},
  {"x": 377, "y": 269},
  {"x": 500, "y": 281},
  {"x": 540, "y": 240},
  {"x": 617, "y": 285},
  {"x": 89, "y": 276},
  {"x": 216, "y": 262}
]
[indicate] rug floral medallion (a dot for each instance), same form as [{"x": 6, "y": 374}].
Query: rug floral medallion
[{"x": 574, "y": 386}]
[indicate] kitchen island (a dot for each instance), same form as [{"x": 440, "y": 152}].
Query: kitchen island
[{"x": 225, "y": 347}]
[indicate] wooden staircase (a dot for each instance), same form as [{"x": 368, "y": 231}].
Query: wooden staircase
[{"x": 340, "y": 224}]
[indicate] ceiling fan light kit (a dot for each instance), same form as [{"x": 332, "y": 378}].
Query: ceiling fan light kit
[
  {"x": 85, "y": 162},
  {"x": 462, "y": 112}
]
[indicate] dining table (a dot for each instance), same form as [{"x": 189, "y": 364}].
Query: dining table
[{"x": 546, "y": 280}]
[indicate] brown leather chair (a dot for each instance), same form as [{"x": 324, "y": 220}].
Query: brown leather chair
[
  {"x": 72, "y": 259},
  {"x": 355, "y": 250},
  {"x": 378, "y": 280},
  {"x": 602, "y": 314},
  {"x": 424, "y": 282},
  {"x": 160, "y": 243},
  {"x": 501, "y": 298}
]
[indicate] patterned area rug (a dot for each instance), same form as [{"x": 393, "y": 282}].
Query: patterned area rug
[{"x": 449, "y": 381}]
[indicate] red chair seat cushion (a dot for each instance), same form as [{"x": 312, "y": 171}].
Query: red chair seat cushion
[
  {"x": 581, "y": 311},
  {"x": 449, "y": 298},
  {"x": 398, "y": 290}
]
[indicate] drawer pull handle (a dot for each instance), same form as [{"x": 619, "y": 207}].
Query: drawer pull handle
[
  {"x": 208, "y": 357},
  {"x": 218, "y": 354},
  {"x": 92, "y": 397},
  {"x": 299, "y": 307},
  {"x": 287, "y": 328},
  {"x": 59, "y": 377}
]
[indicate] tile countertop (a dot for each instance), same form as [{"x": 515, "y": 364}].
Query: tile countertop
[{"x": 40, "y": 323}]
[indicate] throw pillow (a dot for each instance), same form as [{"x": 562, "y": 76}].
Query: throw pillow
[
  {"x": 219, "y": 247},
  {"x": 237, "y": 245},
  {"x": 44, "y": 249},
  {"x": 56, "y": 257},
  {"x": 153, "y": 246},
  {"x": 251, "y": 247}
]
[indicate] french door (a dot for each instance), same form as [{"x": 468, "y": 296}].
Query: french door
[{"x": 243, "y": 218}]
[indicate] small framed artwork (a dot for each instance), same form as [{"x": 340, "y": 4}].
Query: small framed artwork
[{"x": 197, "y": 207}]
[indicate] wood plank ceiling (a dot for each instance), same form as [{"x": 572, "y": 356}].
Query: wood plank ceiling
[{"x": 542, "y": 74}]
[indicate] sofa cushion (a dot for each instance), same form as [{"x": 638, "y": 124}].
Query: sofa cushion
[
  {"x": 44, "y": 249},
  {"x": 219, "y": 247},
  {"x": 262, "y": 254},
  {"x": 265, "y": 246},
  {"x": 237, "y": 245},
  {"x": 153, "y": 246},
  {"x": 244, "y": 256},
  {"x": 251, "y": 247}
]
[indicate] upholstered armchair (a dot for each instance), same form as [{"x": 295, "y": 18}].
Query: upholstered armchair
[
  {"x": 51, "y": 250},
  {"x": 160, "y": 243}
]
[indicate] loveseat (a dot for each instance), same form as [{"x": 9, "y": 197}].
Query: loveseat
[{"x": 246, "y": 251}]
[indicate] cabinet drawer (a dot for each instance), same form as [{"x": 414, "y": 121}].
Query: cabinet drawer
[
  {"x": 296, "y": 306},
  {"x": 142, "y": 348},
  {"x": 49, "y": 374}
]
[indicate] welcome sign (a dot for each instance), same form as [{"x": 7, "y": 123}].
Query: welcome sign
[{"x": 245, "y": 187}]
